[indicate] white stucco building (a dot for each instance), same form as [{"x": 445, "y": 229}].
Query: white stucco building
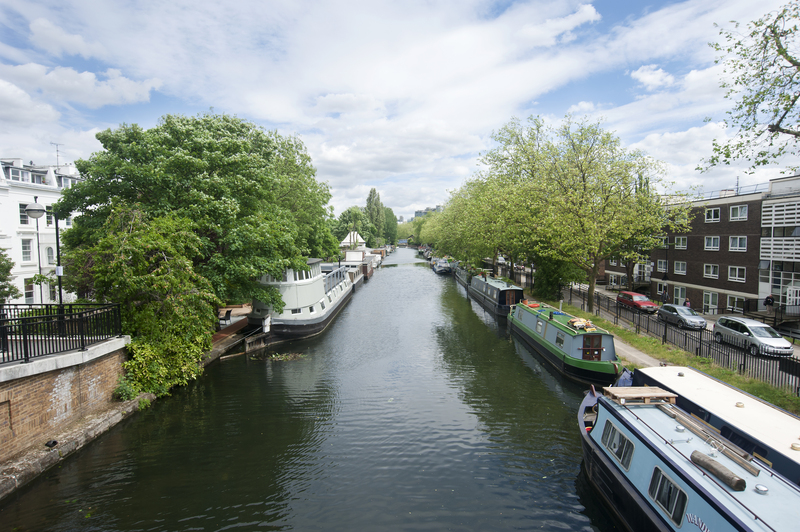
[{"x": 32, "y": 252}]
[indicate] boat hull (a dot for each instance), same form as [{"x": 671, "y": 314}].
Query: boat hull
[{"x": 296, "y": 329}]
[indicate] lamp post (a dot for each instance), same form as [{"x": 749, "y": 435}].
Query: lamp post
[{"x": 36, "y": 210}]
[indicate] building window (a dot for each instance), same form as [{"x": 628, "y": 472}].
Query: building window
[
  {"x": 68, "y": 221},
  {"x": 664, "y": 242},
  {"x": 680, "y": 295},
  {"x": 53, "y": 292},
  {"x": 681, "y": 242},
  {"x": 712, "y": 215},
  {"x": 613, "y": 262},
  {"x": 661, "y": 288},
  {"x": 28, "y": 291},
  {"x": 51, "y": 257},
  {"x": 26, "y": 250},
  {"x": 23, "y": 216},
  {"x": 738, "y": 213},
  {"x": 612, "y": 279},
  {"x": 735, "y": 304},
  {"x": 711, "y": 271},
  {"x": 712, "y": 243},
  {"x": 738, "y": 243},
  {"x": 736, "y": 274},
  {"x": 667, "y": 495},
  {"x": 710, "y": 300},
  {"x": 680, "y": 267},
  {"x": 49, "y": 214},
  {"x": 661, "y": 265}
]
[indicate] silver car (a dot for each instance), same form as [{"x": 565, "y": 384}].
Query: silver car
[
  {"x": 756, "y": 337},
  {"x": 683, "y": 317}
]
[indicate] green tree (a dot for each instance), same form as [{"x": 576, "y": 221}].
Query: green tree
[
  {"x": 594, "y": 196},
  {"x": 145, "y": 265},
  {"x": 303, "y": 196},
  {"x": 762, "y": 78},
  {"x": 375, "y": 213},
  {"x": 390, "y": 226},
  {"x": 7, "y": 288},
  {"x": 227, "y": 176}
]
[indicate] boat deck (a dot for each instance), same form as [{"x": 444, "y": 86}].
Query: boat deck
[{"x": 768, "y": 502}]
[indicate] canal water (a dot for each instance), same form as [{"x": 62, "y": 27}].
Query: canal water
[{"x": 415, "y": 410}]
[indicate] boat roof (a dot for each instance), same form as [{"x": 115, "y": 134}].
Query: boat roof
[
  {"x": 500, "y": 285},
  {"x": 562, "y": 318},
  {"x": 675, "y": 441},
  {"x": 763, "y": 421}
]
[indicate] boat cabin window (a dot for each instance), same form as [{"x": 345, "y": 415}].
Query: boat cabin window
[
  {"x": 297, "y": 310},
  {"x": 311, "y": 309},
  {"x": 539, "y": 327},
  {"x": 620, "y": 446},
  {"x": 560, "y": 339},
  {"x": 669, "y": 496},
  {"x": 322, "y": 304}
]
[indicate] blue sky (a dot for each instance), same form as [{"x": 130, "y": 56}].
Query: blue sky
[{"x": 400, "y": 96}]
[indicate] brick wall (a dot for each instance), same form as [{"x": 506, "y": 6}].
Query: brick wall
[{"x": 33, "y": 408}]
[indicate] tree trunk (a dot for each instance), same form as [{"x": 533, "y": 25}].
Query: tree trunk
[{"x": 592, "y": 274}]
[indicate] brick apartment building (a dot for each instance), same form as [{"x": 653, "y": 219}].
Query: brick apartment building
[{"x": 742, "y": 245}]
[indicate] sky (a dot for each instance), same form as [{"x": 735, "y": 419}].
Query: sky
[{"x": 400, "y": 96}]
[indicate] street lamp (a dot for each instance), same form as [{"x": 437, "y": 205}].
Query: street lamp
[{"x": 36, "y": 210}]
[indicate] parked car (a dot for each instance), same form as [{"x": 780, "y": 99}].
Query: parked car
[
  {"x": 636, "y": 302},
  {"x": 756, "y": 337},
  {"x": 683, "y": 317}
]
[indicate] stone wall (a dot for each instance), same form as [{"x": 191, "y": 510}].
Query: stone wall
[{"x": 43, "y": 397}]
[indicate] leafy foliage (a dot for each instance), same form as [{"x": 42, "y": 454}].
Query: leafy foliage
[
  {"x": 566, "y": 198},
  {"x": 762, "y": 78},
  {"x": 222, "y": 173},
  {"x": 145, "y": 266},
  {"x": 7, "y": 288}
]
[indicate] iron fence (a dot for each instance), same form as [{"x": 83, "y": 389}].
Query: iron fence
[
  {"x": 30, "y": 331},
  {"x": 781, "y": 372}
]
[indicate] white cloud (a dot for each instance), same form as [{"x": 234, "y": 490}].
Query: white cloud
[
  {"x": 53, "y": 39},
  {"x": 18, "y": 109},
  {"x": 68, "y": 85},
  {"x": 652, "y": 77}
]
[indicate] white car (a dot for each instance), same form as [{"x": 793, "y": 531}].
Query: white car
[{"x": 758, "y": 338}]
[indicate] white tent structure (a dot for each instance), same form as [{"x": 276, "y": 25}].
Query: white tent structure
[{"x": 353, "y": 239}]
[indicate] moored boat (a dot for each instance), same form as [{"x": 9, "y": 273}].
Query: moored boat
[
  {"x": 658, "y": 468},
  {"x": 493, "y": 294},
  {"x": 311, "y": 300},
  {"x": 442, "y": 267},
  {"x": 574, "y": 346}
]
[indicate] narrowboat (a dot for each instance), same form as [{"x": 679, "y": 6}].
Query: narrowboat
[
  {"x": 441, "y": 266},
  {"x": 493, "y": 294},
  {"x": 312, "y": 299},
  {"x": 657, "y": 467},
  {"x": 575, "y": 347},
  {"x": 733, "y": 413}
]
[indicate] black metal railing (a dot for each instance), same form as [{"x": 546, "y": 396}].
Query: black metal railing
[
  {"x": 781, "y": 372},
  {"x": 30, "y": 331}
]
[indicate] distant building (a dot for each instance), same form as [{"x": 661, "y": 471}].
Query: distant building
[
  {"x": 438, "y": 208},
  {"x": 32, "y": 252},
  {"x": 399, "y": 219}
]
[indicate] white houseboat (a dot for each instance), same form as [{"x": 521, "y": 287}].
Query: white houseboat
[{"x": 311, "y": 300}]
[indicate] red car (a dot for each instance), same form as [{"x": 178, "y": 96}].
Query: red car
[{"x": 636, "y": 302}]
